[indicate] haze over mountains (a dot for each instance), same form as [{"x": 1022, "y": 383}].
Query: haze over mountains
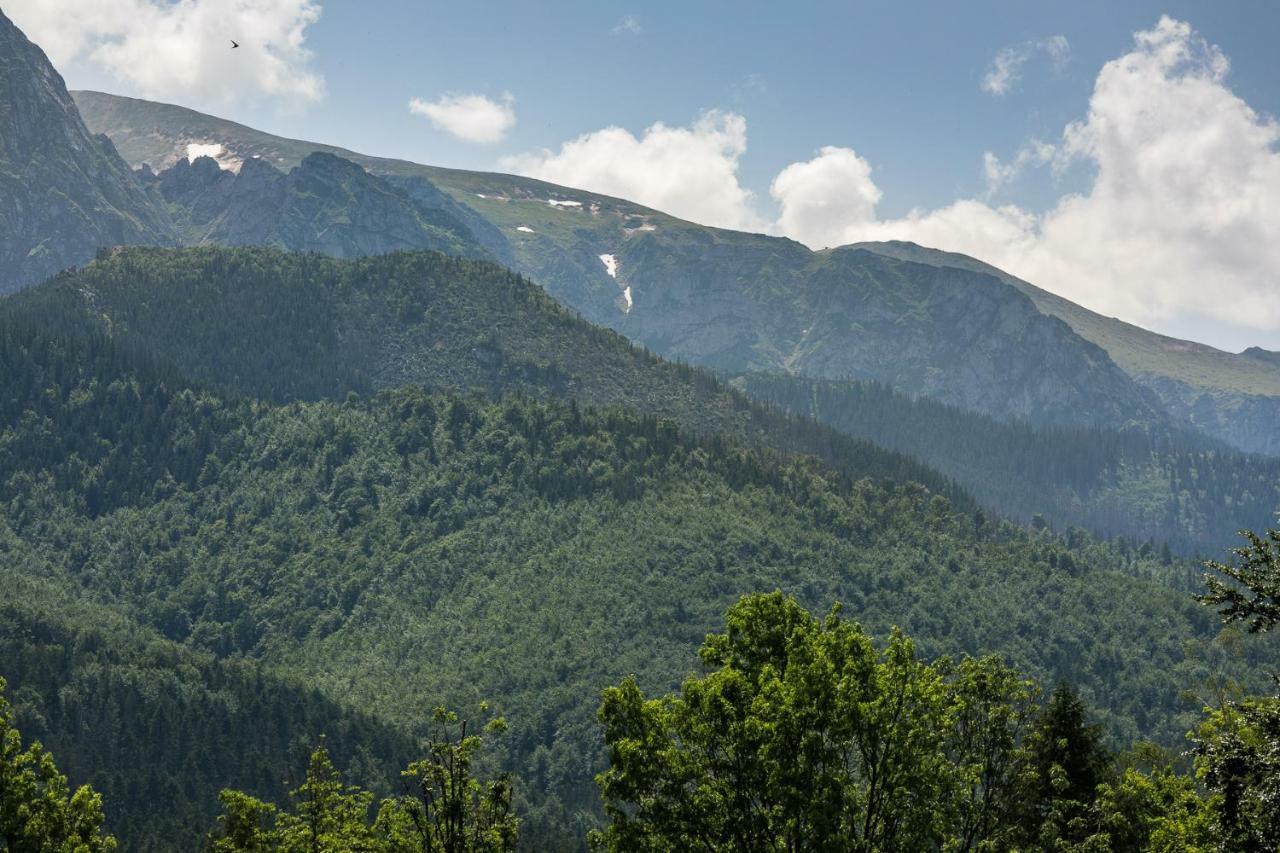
[{"x": 315, "y": 440}]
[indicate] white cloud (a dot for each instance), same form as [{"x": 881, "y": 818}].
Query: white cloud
[
  {"x": 629, "y": 24},
  {"x": 1181, "y": 220},
  {"x": 690, "y": 172},
  {"x": 1006, "y": 68},
  {"x": 183, "y": 49},
  {"x": 473, "y": 118},
  {"x": 820, "y": 199}
]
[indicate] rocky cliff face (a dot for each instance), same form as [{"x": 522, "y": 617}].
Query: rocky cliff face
[
  {"x": 64, "y": 193},
  {"x": 1249, "y": 422},
  {"x": 745, "y": 302},
  {"x": 325, "y": 204}
]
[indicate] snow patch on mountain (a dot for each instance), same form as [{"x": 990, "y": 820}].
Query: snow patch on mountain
[
  {"x": 610, "y": 265},
  {"x": 216, "y": 150}
]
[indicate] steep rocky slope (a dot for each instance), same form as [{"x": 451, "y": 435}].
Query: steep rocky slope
[
  {"x": 64, "y": 193},
  {"x": 324, "y": 204},
  {"x": 1233, "y": 397}
]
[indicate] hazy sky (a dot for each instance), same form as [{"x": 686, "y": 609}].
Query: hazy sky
[{"x": 1122, "y": 154}]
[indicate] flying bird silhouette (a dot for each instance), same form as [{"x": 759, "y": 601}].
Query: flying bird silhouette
[{"x": 234, "y": 44}]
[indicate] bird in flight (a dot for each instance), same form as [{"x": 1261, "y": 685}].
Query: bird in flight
[{"x": 234, "y": 44}]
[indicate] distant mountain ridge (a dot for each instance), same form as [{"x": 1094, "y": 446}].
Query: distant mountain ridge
[
  {"x": 324, "y": 204},
  {"x": 729, "y": 300},
  {"x": 960, "y": 332}
]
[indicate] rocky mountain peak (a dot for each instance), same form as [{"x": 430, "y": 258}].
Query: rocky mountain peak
[{"x": 64, "y": 192}]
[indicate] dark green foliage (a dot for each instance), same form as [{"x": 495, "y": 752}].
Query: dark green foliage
[
  {"x": 411, "y": 548},
  {"x": 39, "y": 813},
  {"x": 1177, "y": 488},
  {"x": 1250, "y": 592},
  {"x": 446, "y": 808},
  {"x": 1067, "y": 762},
  {"x": 159, "y": 728}
]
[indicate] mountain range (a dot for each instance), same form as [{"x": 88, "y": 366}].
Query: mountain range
[
  {"x": 926, "y": 322},
  {"x": 300, "y": 443}
]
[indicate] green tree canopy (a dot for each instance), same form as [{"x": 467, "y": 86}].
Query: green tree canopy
[
  {"x": 445, "y": 808},
  {"x": 804, "y": 736},
  {"x": 39, "y": 813}
]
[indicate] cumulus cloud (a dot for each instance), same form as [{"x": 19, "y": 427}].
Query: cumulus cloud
[
  {"x": 472, "y": 118},
  {"x": 1006, "y": 68},
  {"x": 183, "y": 49},
  {"x": 1181, "y": 218},
  {"x": 691, "y": 172},
  {"x": 819, "y": 200}
]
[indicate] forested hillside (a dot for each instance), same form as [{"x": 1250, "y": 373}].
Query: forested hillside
[
  {"x": 159, "y": 728},
  {"x": 410, "y": 549},
  {"x": 1158, "y": 487},
  {"x": 285, "y": 327}
]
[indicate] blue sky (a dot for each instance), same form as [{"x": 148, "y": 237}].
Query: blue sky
[{"x": 900, "y": 84}]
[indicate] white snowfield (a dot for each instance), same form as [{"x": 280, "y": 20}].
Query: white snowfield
[
  {"x": 555, "y": 202},
  {"x": 216, "y": 150},
  {"x": 525, "y": 228},
  {"x": 610, "y": 265}
]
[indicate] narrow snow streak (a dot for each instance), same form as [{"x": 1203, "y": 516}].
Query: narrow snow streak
[{"x": 610, "y": 265}]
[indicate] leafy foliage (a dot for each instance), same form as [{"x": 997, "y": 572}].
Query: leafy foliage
[
  {"x": 446, "y": 810},
  {"x": 39, "y": 813},
  {"x": 410, "y": 548},
  {"x": 802, "y": 735}
]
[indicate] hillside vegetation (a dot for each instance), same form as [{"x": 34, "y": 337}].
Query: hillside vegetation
[
  {"x": 1158, "y": 489},
  {"x": 413, "y": 549}
]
